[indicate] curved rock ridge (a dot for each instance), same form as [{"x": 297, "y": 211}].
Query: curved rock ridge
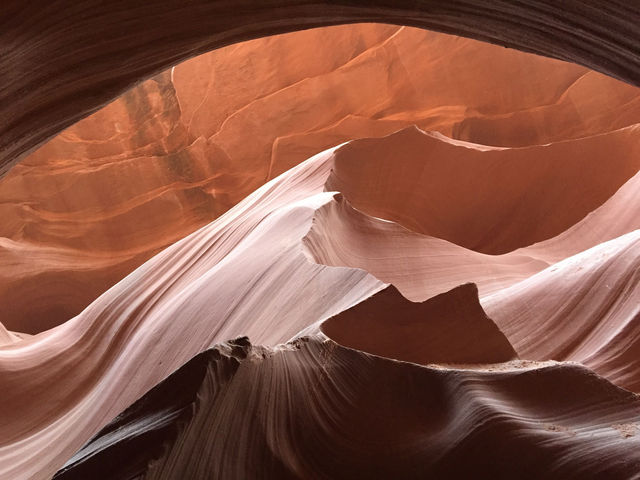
[
  {"x": 7, "y": 337},
  {"x": 421, "y": 266},
  {"x": 585, "y": 308},
  {"x": 617, "y": 216},
  {"x": 581, "y": 307},
  {"x": 124, "y": 448},
  {"x": 240, "y": 411},
  {"x": 176, "y": 143},
  {"x": 444, "y": 329},
  {"x": 245, "y": 272},
  {"x": 73, "y": 57},
  {"x": 448, "y": 189},
  {"x": 588, "y": 302}
]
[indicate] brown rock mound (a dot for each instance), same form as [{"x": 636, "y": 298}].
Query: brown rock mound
[{"x": 444, "y": 329}]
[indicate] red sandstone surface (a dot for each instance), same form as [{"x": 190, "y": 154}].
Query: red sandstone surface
[
  {"x": 81, "y": 212},
  {"x": 453, "y": 291}
]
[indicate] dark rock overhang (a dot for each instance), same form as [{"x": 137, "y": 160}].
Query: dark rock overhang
[{"x": 61, "y": 60}]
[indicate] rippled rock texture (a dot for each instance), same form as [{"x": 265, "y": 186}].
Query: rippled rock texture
[
  {"x": 82, "y": 212},
  {"x": 257, "y": 413},
  {"x": 408, "y": 255}
]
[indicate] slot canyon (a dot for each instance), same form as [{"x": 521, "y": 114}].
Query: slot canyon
[{"x": 331, "y": 240}]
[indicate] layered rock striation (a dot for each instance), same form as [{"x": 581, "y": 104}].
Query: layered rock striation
[
  {"x": 449, "y": 289},
  {"x": 81, "y": 212}
]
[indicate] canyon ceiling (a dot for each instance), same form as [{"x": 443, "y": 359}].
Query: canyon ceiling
[{"x": 62, "y": 59}]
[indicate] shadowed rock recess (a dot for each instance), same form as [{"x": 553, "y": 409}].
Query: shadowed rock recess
[{"x": 356, "y": 251}]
